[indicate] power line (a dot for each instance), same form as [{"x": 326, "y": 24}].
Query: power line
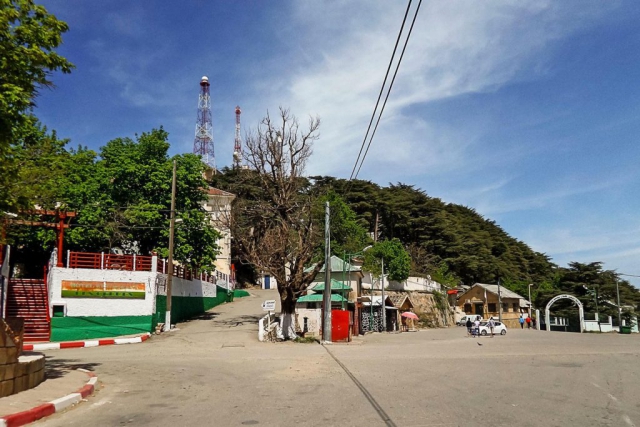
[
  {"x": 406, "y": 42},
  {"x": 395, "y": 48}
]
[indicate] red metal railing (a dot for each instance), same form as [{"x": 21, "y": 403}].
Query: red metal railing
[{"x": 103, "y": 261}]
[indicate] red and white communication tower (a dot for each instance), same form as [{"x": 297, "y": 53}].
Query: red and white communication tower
[
  {"x": 203, "y": 143},
  {"x": 237, "y": 149}
]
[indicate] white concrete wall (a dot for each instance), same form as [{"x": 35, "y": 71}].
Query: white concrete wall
[
  {"x": 102, "y": 306},
  {"x": 592, "y": 326},
  {"x": 415, "y": 284},
  {"x": 273, "y": 284},
  {"x": 186, "y": 288},
  {"x": 313, "y": 320}
]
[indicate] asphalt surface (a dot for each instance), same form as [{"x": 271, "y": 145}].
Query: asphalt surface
[{"x": 214, "y": 372}]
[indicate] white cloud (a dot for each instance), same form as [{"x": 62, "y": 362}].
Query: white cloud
[{"x": 456, "y": 48}]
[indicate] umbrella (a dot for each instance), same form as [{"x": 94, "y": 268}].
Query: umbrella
[{"x": 409, "y": 315}]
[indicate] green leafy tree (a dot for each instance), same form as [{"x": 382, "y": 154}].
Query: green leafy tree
[
  {"x": 347, "y": 234},
  {"x": 29, "y": 36},
  {"x": 396, "y": 260},
  {"x": 122, "y": 198}
]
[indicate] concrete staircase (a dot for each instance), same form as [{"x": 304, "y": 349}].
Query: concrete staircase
[{"x": 28, "y": 298}]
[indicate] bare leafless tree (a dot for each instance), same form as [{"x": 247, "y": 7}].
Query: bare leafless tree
[{"x": 275, "y": 231}]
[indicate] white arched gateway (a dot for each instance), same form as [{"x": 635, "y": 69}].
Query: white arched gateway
[{"x": 564, "y": 296}]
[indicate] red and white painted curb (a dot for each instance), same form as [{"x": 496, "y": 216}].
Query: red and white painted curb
[
  {"x": 80, "y": 344},
  {"x": 44, "y": 410}
]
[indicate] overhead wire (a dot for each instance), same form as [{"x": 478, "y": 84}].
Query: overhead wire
[
  {"x": 373, "y": 114},
  {"x": 406, "y": 42}
]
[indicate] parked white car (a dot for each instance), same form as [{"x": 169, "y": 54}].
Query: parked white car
[
  {"x": 463, "y": 319},
  {"x": 499, "y": 328}
]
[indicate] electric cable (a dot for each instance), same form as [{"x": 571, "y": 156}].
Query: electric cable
[
  {"x": 390, "y": 87},
  {"x": 404, "y": 20}
]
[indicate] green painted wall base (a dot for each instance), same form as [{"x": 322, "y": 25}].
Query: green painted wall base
[
  {"x": 90, "y": 327},
  {"x": 183, "y": 308},
  {"x": 239, "y": 293},
  {"x": 82, "y": 328}
]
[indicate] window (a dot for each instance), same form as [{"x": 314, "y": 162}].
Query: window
[
  {"x": 467, "y": 308},
  {"x": 492, "y": 307},
  {"x": 505, "y": 307},
  {"x": 515, "y": 307}
]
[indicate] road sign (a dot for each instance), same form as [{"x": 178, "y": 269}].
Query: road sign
[{"x": 269, "y": 305}]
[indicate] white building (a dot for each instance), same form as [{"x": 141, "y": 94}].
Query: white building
[{"x": 219, "y": 205}]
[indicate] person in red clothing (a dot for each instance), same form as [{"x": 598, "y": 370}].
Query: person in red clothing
[{"x": 528, "y": 320}]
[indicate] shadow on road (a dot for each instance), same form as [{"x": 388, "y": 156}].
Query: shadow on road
[
  {"x": 204, "y": 316},
  {"x": 56, "y": 368},
  {"x": 237, "y": 321}
]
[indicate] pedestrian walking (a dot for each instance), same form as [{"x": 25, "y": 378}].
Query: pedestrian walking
[
  {"x": 534, "y": 322},
  {"x": 491, "y": 324},
  {"x": 528, "y": 320},
  {"x": 469, "y": 325},
  {"x": 476, "y": 327},
  {"x": 521, "y": 322}
]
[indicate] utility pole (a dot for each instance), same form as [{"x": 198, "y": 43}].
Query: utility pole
[
  {"x": 619, "y": 307},
  {"x": 326, "y": 295},
  {"x": 384, "y": 308},
  {"x": 499, "y": 303},
  {"x": 172, "y": 227},
  {"x": 530, "y": 285}
]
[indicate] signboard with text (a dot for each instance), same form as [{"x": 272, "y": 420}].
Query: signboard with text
[
  {"x": 269, "y": 305},
  {"x": 93, "y": 289}
]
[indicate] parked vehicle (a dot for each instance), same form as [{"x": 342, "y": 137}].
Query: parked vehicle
[
  {"x": 499, "y": 328},
  {"x": 463, "y": 319}
]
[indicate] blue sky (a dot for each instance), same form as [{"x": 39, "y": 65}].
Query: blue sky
[{"x": 527, "y": 111}]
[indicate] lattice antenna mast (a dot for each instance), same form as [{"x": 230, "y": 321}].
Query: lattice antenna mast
[
  {"x": 237, "y": 149},
  {"x": 203, "y": 143}
]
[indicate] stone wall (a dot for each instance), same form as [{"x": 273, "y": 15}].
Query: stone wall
[
  {"x": 17, "y": 373},
  {"x": 425, "y": 306}
]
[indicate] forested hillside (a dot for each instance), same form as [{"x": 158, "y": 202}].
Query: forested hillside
[
  {"x": 472, "y": 248},
  {"x": 456, "y": 245}
]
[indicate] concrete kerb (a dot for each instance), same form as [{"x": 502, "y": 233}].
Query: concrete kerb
[
  {"x": 88, "y": 343},
  {"x": 57, "y": 405}
]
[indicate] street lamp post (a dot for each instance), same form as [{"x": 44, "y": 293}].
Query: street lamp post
[{"x": 530, "y": 285}]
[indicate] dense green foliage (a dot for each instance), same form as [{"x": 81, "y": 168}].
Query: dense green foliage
[
  {"x": 456, "y": 245},
  {"x": 397, "y": 263},
  {"x": 348, "y": 236},
  {"x": 436, "y": 234},
  {"x": 122, "y": 197},
  {"x": 28, "y": 37}
]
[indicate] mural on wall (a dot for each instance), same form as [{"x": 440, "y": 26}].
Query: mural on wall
[
  {"x": 92, "y": 289},
  {"x": 371, "y": 320}
]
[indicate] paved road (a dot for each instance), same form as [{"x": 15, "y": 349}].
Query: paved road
[{"x": 214, "y": 372}]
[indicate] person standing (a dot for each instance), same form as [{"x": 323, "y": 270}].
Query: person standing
[
  {"x": 528, "y": 322},
  {"x": 469, "y": 325},
  {"x": 491, "y": 324},
  {"x": 476, "y": 327},
  {"x": 521, "y": 322}
]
